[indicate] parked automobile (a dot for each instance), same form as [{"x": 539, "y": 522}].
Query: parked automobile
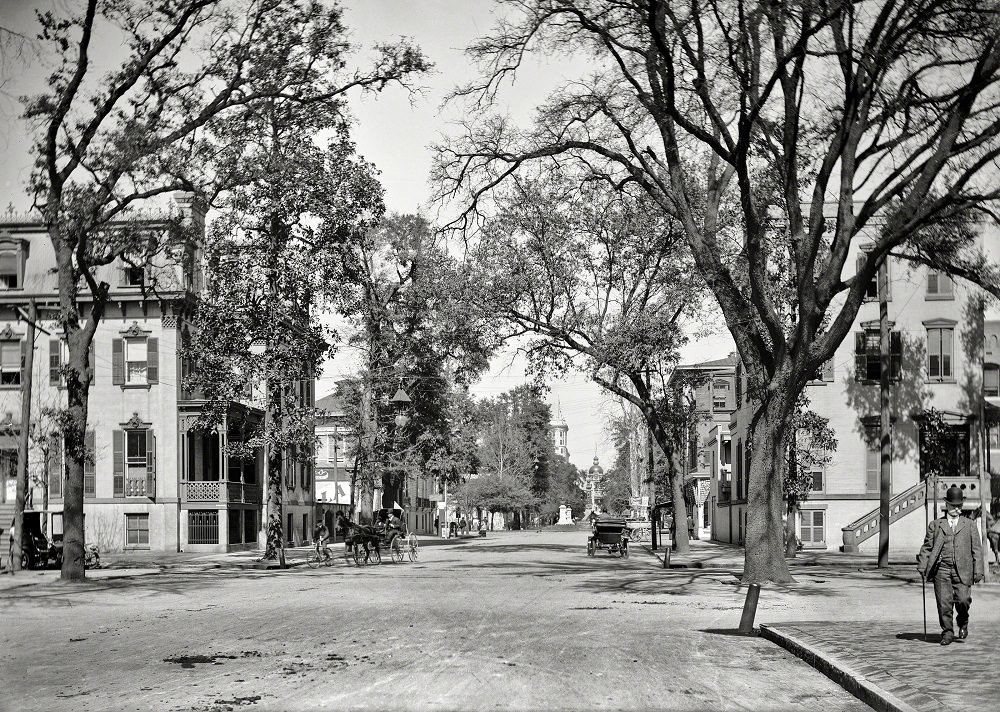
[{"x": 41, "y": 552}]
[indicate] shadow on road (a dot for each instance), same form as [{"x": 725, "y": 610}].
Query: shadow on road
[{"x": 934, "y": 638}]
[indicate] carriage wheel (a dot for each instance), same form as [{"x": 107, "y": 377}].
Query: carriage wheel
[
  {"x": 412, "y": 549},
  {"x": 396, "y": 550}
]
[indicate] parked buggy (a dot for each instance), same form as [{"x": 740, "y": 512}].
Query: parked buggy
[{"x": 609, "y": 533}]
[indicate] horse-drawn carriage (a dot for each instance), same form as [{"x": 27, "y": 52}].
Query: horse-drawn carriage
[
  {"x": 366, "y": 542},
  {"x": 611, "y": 533}
]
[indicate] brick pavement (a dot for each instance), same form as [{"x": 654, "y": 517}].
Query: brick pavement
[
  {"x": 894, "y": 656},
  {"x": 887, "y": 663}
]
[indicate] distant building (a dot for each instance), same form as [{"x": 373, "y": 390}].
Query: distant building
[
  {"x": 559, "y": 433},
  {"x": 706, "y": 455},
  {"x": 335, "y": 464}
]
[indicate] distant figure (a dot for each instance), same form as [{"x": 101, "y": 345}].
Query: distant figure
[
  {"x": 463, "y": 525},
  {"x": 993, "y": 533},
  {"x": 952, "y": 557},
  {"x": 437, "y": 526}
]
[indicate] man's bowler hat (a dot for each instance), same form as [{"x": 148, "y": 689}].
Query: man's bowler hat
[{"x": 954, "y": 495}]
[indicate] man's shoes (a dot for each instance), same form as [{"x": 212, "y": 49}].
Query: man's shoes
[
  {"x": 963, "y": 632},
  {"x": 947, "y": 637}
]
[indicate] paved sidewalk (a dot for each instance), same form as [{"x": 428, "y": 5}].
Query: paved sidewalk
[{"x": 869, "y": 640}]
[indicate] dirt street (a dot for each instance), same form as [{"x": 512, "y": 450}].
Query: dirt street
[{"x": 517, "y": 621}]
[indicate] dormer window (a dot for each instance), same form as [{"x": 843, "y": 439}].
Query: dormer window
[
  {"x": 134, "y": 276},
  {"x": 12, "y": 255}
]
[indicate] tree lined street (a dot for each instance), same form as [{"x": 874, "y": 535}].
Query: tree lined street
[{"x": 518, "y": 621}]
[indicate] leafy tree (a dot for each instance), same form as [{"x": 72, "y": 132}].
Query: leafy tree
[
  {"x": 105, "y": 145},
  {"x": 600, "y": 278},
  {"x": 563, "y": 489},
  {"x": 780, "y": 137},
  {"x": 812, "y": 445},
  {"x": 270, "y": 273},
  {"x": 406, "y": 303}
]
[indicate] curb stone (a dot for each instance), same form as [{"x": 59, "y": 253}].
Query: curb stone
[{"x": 838, "y": 671}]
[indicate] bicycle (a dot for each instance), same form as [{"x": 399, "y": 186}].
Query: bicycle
[{"x": 318, "y": 557}]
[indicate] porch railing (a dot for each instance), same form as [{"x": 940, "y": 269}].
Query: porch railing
[{"x": 221, "y": 491}]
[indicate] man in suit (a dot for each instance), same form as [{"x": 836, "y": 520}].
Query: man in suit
[{"x": 952, "y": 555}]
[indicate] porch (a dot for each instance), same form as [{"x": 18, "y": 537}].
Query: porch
[{"x": 220, "y": 481}]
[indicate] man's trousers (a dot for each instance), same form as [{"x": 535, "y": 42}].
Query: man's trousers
[{"x": 952, "y": 595}]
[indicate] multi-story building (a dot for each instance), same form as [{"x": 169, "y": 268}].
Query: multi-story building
[
  {"x": 155, "y": 481},
  {"x": 943, "y": 355},
  {"x": 706, "y": 455}
]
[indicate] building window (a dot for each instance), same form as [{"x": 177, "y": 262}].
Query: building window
[
  {"x": 137, "y": 529},
  {"x": 133, "y": 276},
  {"x": 991, "y": 381},
  {"x": 939, "y": 285},
  {"x": 993, "y": 437},
  {"x": 939, "y": 353},
  {"x": 203, "y": 526},
  {"x": 11, "y": 362},
  {"x": 818, "y": 484},
  {"x": 871, "y": 292},
  {"x": 59, "y": 359},
  {"x": 135, "y": 361},
  {"x": 11, "y": 266},
  {"x": 134, "y": 463},
  {"x": 873, "y": 457},
  {"x": 867, "y": 356},
  {"x": 953, "y": 458},
  {"x": 824, "y": 374},
  {"x": 812, "y": 528}
]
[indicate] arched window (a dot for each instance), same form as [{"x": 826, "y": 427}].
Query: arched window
[{"x": 11, "y": 264}]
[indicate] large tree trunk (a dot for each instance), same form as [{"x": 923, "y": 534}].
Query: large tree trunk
[
  {"x": 78, "y": 378},
  {"x": 74, "y": 447},
  {"x": 791, "y": 542},
  {"x": 764, "y": 560},
  {"x": 680, "y": 543}
]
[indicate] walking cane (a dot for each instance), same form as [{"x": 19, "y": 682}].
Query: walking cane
[{"x": 923, "y": 589}]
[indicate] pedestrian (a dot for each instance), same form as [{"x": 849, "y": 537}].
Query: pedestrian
[
  {"x": 952, "y": 557},
  {"x": 437, "y": 526},
  {"x": 463, "y": 524},
  {"x": 993, "y": 533}
]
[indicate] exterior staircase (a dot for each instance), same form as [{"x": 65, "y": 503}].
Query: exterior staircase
[{"x": 867, "y": 526}]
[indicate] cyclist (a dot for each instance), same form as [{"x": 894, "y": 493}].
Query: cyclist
[{"x": 320, "y": 535}]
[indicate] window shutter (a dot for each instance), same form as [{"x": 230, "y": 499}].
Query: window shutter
[
  {"x": 55, "y": 467},
  {"x": 55, "y": 362},
  {"x": 932, "y": 281},
  {"x": 895, "y": 355},
  {"x": 150, "y": 464},
  {"x": 828, "y": 370},
  {"x": 92, "y": 360},
  {"x": 90, "y": 466},
  {"x": 118, "y": 449},
  {"x": 152, "y": 360},
  {"x": 860, "y": 356},
  {"x": 118, "y": 362},
  {"x": 24, "y": 355}
]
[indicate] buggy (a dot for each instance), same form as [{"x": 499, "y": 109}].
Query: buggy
[{"x": 611, "y": 533}]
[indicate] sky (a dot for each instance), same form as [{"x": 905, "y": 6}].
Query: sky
[{"x": 394, "y": 130}]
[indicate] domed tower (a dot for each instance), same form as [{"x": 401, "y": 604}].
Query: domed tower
[
  {"x": 594, "y": 475},
  {"x": 559, "y": 432}
]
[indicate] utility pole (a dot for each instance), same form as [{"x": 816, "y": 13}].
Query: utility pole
[
  {"x": 654, "y": 536},
  {"x": 17, "y": 539},
  {"x": 885, "y": 424}
]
